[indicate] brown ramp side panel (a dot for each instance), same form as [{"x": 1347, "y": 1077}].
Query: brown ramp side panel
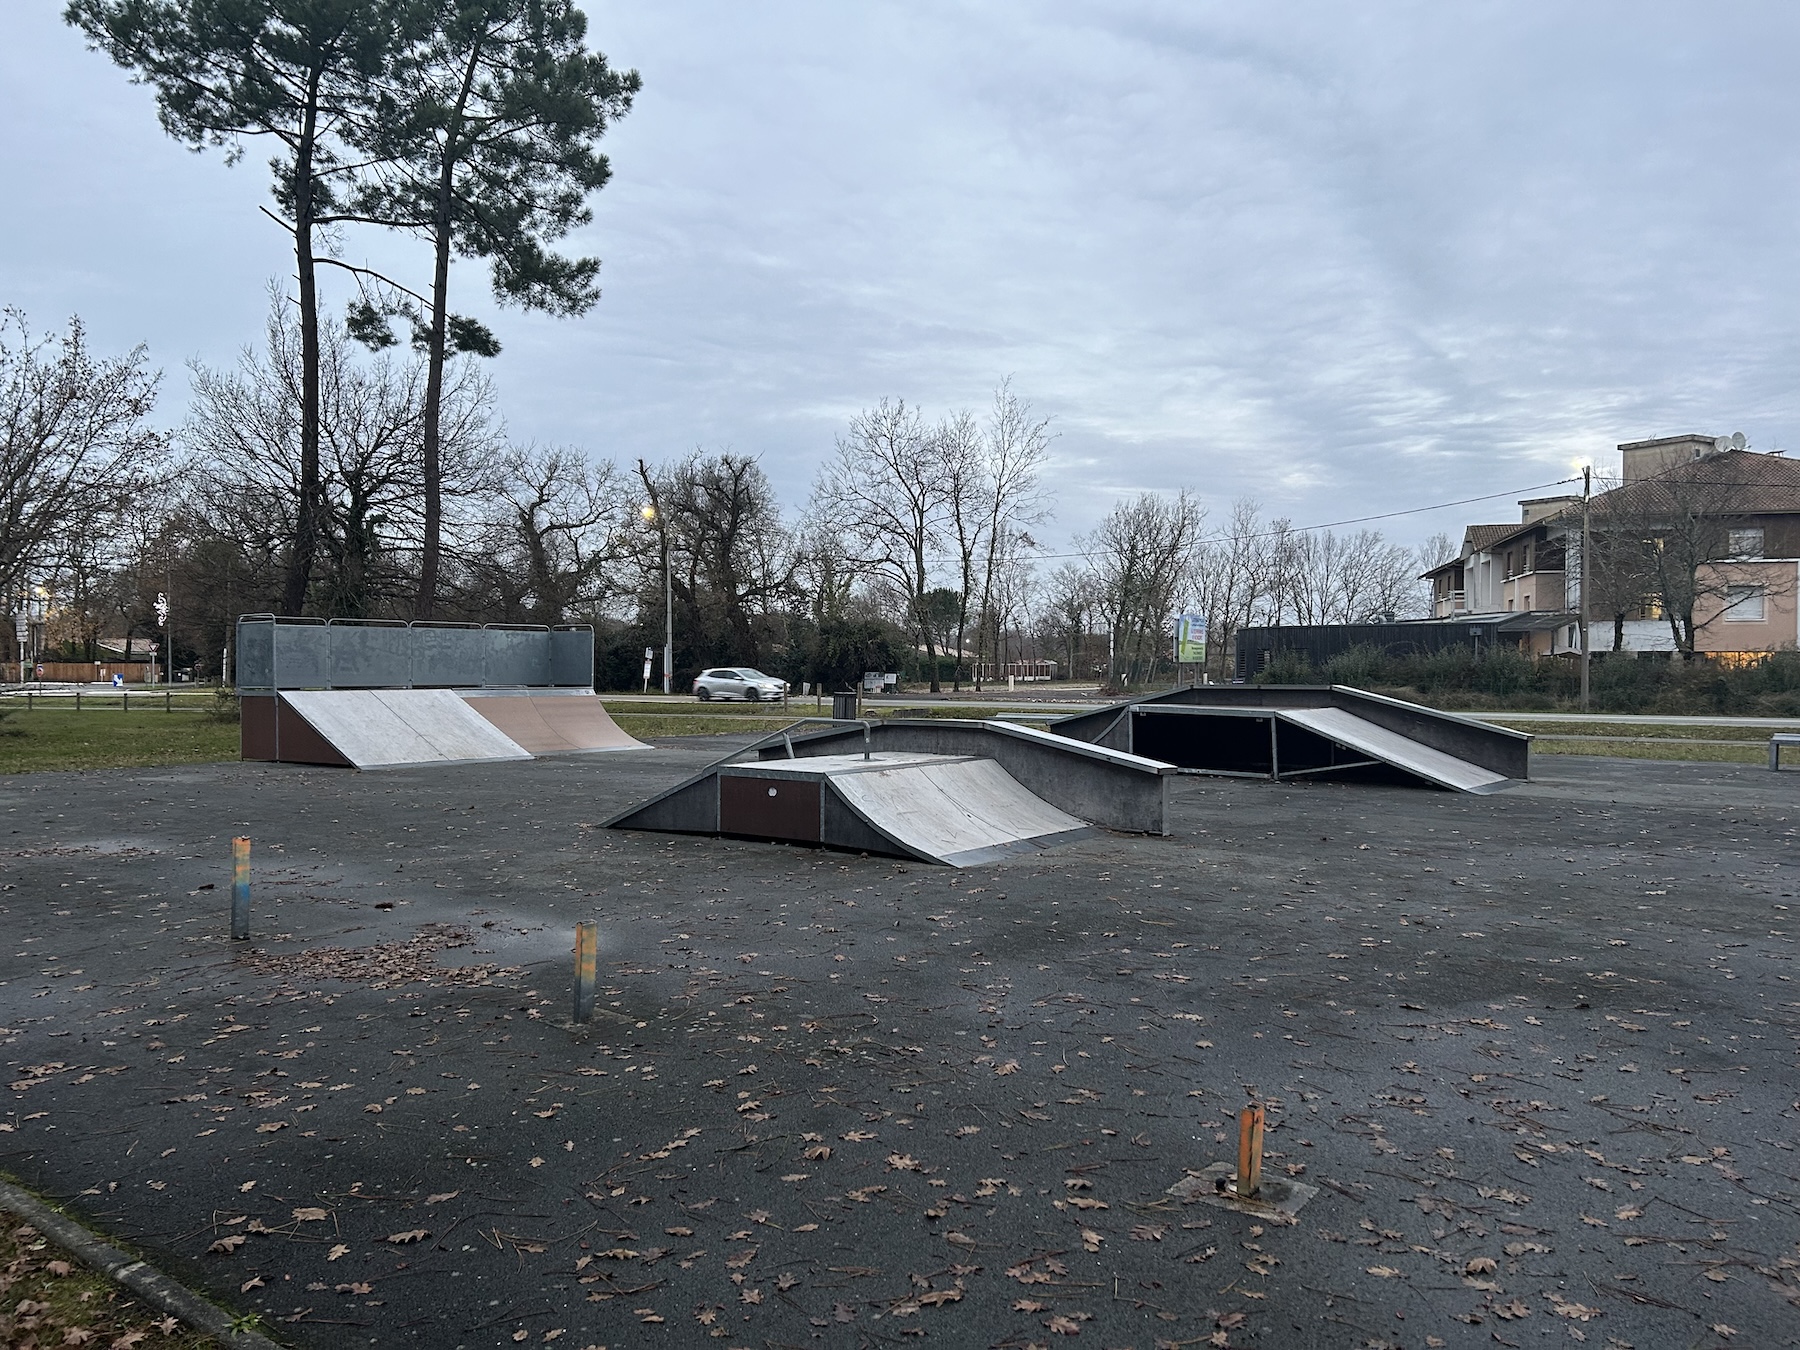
[
  {"x": 553, "y": 724},
  {"x": 299, "y": 742}
]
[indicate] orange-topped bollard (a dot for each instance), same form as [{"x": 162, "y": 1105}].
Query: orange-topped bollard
[
  {"x": 587, "y": 941},
  {"x": 240, "y": 887},
  {"x": 1250, "y": 1151}
]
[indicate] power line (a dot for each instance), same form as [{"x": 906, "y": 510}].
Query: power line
[{"x": 1362, "y": 520}]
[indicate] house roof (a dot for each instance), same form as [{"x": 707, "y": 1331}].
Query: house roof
[
  {"x": 1754, "y": 482},
  {"x": 1477, "y": 538}
]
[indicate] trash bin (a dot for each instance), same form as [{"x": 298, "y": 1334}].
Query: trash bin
[{"x": 843, "y": 706}]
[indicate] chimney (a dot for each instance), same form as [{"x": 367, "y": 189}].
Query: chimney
[{"x": 1646, "y": 459}]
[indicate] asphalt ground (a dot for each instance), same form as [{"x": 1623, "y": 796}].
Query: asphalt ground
[{"x": 1538, "y": 1051}]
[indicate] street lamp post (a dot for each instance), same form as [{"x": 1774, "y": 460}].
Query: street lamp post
[
  {"x": 668, "y": 680},
  {"x": 1587, "y": 483}
]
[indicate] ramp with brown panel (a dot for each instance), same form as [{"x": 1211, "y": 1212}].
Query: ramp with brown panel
[{"x": 552, "y": 722}]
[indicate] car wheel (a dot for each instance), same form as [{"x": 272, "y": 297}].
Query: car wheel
[
  {"x": 753, "y": 694},
  {"x": 703, "y": 694}
]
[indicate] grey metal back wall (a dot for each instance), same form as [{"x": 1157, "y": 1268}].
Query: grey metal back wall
[
  {"x": 448, "y": 658},
  {"x": 572, "y": 656},
  {"x": 517, "y": 657},
  {"x": 370, "y": 657},
  {"x": 299, "y": 655}
]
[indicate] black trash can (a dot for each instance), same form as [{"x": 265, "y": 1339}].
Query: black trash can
[{"x": 843, "y": 706}]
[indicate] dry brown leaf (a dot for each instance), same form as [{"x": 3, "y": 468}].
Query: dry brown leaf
[
  {"x": 228, "y": 1244},
  {"x": 311, "y": 1214},
  {"x": 338, "y": 1250},
  {"x": 1385, "y": 1272},
  {"x": 1481, "y": 1265},
  {"x": 1511, "y": 1311},
  {"x": 410, "y": 1235},
  {"x": 441, "y": 1196}
]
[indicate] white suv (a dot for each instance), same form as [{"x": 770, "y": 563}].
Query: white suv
[{"x": 737, "y": 682}]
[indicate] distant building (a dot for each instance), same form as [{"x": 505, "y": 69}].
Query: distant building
[{"x": 1688, "y": 490}]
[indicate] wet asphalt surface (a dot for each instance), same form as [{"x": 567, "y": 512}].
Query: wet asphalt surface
[{"x": 1540, "y": 1052}]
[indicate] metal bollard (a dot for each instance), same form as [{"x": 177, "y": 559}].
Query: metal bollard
[
  {"x": 240, "y": 888},
  {"x": 1250, "y": 1151},
  {"x": 587, "y": 939}
]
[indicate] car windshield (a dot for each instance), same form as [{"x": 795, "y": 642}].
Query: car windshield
[{"x": 747, "y": 673}]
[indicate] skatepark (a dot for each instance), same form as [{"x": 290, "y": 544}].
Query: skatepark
[{"x": 1534, "y": 1049}]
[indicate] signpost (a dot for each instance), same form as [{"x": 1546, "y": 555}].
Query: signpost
[
  {"x": 162, "y": 620},
  {"x": 649, "y": 656},
  {"x": 1190, "y": 643}
]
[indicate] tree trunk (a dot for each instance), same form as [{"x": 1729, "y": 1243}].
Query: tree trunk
[
  {"x": 432, "y": 448},
  {"x": 306, "y": 520}
]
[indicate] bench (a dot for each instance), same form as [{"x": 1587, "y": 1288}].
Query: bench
[{"x": 1778, "y": 740}]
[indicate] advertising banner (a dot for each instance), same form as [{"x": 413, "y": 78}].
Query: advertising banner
[{"x": 1190, "y": 639}]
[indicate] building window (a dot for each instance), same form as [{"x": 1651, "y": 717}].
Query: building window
[
  {"x": 1744, "y": 604},
  {"x": 1745, "y": 543}
]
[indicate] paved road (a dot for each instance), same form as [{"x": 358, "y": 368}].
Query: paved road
[{"x": 1538, "y": 1050}]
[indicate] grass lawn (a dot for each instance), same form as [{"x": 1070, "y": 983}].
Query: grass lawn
[
  {"x": 106, "y": 738},
  {"x": 48, "y": 1298}
]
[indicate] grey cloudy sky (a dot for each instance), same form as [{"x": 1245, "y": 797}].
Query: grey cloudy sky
[{"x": 1343, "y": 258}]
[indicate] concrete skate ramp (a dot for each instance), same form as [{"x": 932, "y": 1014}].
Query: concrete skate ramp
[
  {"x": 1294, "y": 731},
  {"x": 953, "y": 792},
  {"x": 936, "y": 808},
  {"x": 1395, "y": 751},
  {"x": 552, "y": 722},
  {"x": 957, "y": 811},
  {"x": 395, "y": 728}
]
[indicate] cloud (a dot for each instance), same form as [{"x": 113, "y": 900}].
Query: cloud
[{"x": 1340, "y": 259}]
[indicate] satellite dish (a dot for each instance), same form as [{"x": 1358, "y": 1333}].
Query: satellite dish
[
  {"x": 1721, "y": 444},
  {"x": 1737, "y": 440}
]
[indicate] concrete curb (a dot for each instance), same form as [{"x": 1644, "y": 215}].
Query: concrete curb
[{"x": 148, "y": 1284}]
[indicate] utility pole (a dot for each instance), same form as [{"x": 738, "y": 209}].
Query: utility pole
[
  {"x": 653, "y": 511},
  {"x": 1587, "y": 486}
]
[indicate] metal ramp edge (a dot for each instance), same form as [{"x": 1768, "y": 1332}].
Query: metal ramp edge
[
  {"x": 860, "y": 798},
  {"x": 1394, "y": 749},
  {"x": 460, "y": 735}
]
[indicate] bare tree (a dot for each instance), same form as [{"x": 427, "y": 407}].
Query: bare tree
[
  {"x": 1357, "y": 578},
  {"x": 244, "y": 431},
  {"x": 75, "y": 449},
  {"x": 1673, "y": 532},
  {"x": 886, "y": 497},
  {"x": 1016, "y": 446},
  {"x": 548, "y": 536},
  {"x": 1612, "y": 565},
  {"x": 1238, "y": 577},
  {"x": 1138, "y": 554},
  {"x": 739, "y": 558},
  {"x": 1067, "y": 614},
  {"x": 968, "y": 495}
]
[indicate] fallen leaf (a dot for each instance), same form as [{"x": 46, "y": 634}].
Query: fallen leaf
[
  {"x": 228, "y": 1244},
  {"x": 311, "y": 1214},
  {"x": 442, "y": 1196},
  {"x": 410, "y": 1235},
  {"x": 254, "y": 1282},
  {"x": 338, "y": 1250},
  {"x": 1511, "y": 1311},
  {"x": 1481, "y": 1265}
]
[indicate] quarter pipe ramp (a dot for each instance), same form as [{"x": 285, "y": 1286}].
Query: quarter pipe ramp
[
  {"x": 1294, "y": 731},
  {"x": 955, "y": 792},
  {"x": 399, "y": 728}
]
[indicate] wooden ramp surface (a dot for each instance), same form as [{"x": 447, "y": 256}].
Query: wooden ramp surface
[{"x": 552, "y": 723}]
